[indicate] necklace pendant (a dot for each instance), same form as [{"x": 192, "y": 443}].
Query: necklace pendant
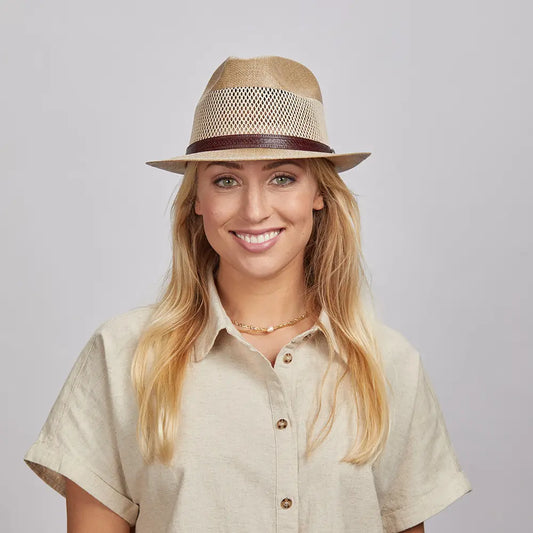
[{"x": 270, "y": 329}]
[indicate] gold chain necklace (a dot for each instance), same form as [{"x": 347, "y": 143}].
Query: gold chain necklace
[{"x": 256, "y": 330}]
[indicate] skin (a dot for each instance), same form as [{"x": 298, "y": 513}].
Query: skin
[
  {"x": 260, "y": 285},
  {"x": 85, "y": 514}
]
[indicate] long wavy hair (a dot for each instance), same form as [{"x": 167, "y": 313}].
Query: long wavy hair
[{"x": 335, "y": 281}]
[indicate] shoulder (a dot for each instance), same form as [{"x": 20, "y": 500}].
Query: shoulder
[
  {"x": 127, "y": 325},
  {"x": 401, "y": 360},
  {"x": 116, "y": 338}
]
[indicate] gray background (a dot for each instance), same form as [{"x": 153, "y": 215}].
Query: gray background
[{"x": 440, "y": 92}]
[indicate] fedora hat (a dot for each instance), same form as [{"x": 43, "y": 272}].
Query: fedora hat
[{"x": 259, "y": 109}]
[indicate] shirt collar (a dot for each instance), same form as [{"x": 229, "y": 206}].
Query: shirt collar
[
  {"x": 219, "y": 320},
  {"x": 216, "y": 322},
  {"x": 324, "y": 325}
]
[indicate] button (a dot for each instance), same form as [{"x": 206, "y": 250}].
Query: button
[
  {"x": 287, "y": 358},
  {"x": 282, "y": 423},
  {"x": 286, "y": 503}
]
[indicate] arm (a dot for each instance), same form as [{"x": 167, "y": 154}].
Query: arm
[
  {"x": 415, "y": 529},
  {"x": 85, "y": 514}
]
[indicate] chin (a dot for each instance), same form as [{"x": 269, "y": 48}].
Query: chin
[
  {"x": 259, "y": 270},
  {"x": 260, "y": 274}
]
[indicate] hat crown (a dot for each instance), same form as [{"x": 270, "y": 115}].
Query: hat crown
[
  {"x": 266, "y": 95},
  {"x": 266, "y": 71}
]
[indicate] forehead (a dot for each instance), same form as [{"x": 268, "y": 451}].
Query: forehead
[{"x": 256, "y": 165}]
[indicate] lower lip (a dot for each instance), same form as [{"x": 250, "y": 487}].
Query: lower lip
[{"x": 257, "y": 246}]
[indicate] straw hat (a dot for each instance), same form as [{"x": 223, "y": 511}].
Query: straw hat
[{"x": 260, "y": 108}]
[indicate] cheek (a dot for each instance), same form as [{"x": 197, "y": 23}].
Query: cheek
[
  {"x": 213, "y": 218},
  {"x": 214, "y": 208},
  {"x": 300, "y": 211}
]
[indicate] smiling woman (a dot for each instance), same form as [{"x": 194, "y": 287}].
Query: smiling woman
[{"x": 261, "y": 372}]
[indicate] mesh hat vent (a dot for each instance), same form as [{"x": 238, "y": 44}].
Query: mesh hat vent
[{"x": 258, "y": 110}]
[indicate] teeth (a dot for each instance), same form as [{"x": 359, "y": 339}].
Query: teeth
[{"x": 254, "y": 239}]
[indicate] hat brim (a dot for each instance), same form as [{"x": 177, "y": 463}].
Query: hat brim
[{"x": 342, "y": 162}]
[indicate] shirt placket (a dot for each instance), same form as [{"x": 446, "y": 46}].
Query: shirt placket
[
  {"x": 280, "y": 382},
  {"x": 286, "y": 443}
]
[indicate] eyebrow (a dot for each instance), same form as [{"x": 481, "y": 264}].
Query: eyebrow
[{"x": 269, "y": 166}]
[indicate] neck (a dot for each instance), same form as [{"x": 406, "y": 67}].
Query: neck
[{"x": 261, "y": 302}]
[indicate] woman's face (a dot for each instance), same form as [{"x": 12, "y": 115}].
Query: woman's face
[{"x": 258, "y": 215}]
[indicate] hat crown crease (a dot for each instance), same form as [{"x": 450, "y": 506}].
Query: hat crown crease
[{"x": 268, "y": 71}]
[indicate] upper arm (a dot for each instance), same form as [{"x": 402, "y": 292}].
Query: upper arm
[
  {"x": 85, "y": 514},
  {"x": 415, "y": 529}
]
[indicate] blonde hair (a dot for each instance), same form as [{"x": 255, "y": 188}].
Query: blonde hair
[{"x": 335, "y": 277}]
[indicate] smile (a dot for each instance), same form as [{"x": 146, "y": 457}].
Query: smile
[{"x": 257, "y": 238}]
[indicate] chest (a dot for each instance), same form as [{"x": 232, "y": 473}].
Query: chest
[{"x": 241, "y": 450}]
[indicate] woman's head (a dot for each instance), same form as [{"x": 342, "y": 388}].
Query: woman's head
[
  {"x": 305, "y": 199},
  {"x": 257, "y": 112}
]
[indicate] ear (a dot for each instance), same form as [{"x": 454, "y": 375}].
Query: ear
[
  {"x": 318, "y": 202},
  {"x": 197, "y": 207}
]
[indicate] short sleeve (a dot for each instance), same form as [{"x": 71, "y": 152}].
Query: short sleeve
[
  {"x": 421, "y": 475},
  {"x": 79, "y": 437}
]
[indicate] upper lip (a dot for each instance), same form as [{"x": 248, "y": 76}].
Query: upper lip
[{"x": 255, "y": 231}]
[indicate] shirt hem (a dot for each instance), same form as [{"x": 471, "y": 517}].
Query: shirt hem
[
  {"x": 426, "y": 506},
  {"x": 44, "y": 460}
]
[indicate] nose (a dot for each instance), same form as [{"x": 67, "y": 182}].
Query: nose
[{"x": 255, "y": 206}]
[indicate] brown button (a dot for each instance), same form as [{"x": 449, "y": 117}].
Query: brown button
[
  {"x": 287, "y": 358},
  {"x": 286, "y": 503},
  {"x": 282, "y": 423}
]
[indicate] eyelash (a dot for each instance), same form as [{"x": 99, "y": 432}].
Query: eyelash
[{"x": 218, "y": 181}]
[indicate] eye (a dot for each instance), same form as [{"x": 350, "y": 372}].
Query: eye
[
  {"x": 282, "y": 180},
  {"x": 225, "y": 182}
]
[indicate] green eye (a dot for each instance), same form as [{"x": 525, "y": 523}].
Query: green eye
[
  {"x": 225, "y": 182},
  {"x": 283, "y": 180}
]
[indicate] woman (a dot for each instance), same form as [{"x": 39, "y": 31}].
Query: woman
[{"x": 258, "y": 393}]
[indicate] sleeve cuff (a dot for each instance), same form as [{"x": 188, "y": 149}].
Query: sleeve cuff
[
  {"x": 45, "y": 461},
  {"x": 427, "y": 505}
]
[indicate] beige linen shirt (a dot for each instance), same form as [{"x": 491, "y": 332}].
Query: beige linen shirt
[{"x": 239, "y": 464}]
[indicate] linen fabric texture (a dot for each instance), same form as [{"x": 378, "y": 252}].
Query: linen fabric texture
[{"x": 239, "y": 464}]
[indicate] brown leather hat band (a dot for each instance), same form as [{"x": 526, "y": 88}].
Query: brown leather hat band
[{"x": 279, "y": 142}]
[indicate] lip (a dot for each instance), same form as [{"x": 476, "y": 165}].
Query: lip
[{"x": 257, "y": 246}]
